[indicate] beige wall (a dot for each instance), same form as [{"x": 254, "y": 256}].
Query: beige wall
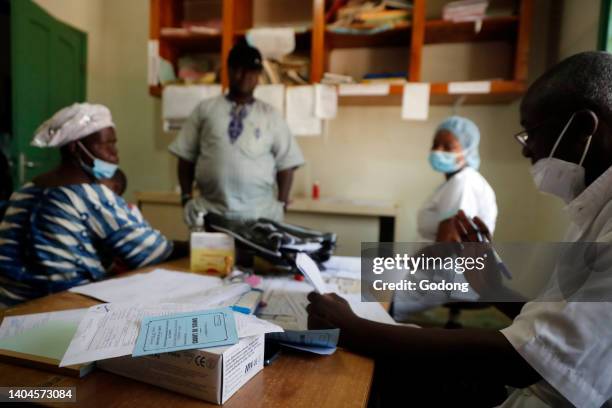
[{"x": 366, "y": 152}]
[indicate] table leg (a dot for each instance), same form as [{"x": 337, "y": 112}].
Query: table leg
[{"x": 386, "y": 229}]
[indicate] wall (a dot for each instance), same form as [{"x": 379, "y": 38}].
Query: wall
[{"x": 365, "y": 152}]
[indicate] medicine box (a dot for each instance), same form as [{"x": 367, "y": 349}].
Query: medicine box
[{"x": 213, "y": 374}]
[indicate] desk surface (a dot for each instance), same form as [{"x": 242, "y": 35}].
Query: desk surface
[
  {"x": 371, "y": 208},
  {"x": 293, "y": 380}
]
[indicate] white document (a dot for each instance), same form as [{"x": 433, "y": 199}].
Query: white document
[
  {"x": 348, "y": 267},
  {"x": 415, "y": 102},
  {"x": 469, "y": 87},
  {"x": 285, "y": 303},
  {"x": 366, "y": 310},
  {"x": 250, "y": 325},
  {"x": 326, "y": 101},
  {"x": 363, "y": 89},
  {"x": 15, "y": 325},
  {"x": 305, "y": 247},
  {"x": 272, "y": 42},
  {"x": 272, "y": 94},
  {"x": 153, "y": 66},
  {"x": 300, "y": 111},
  {"x": 311, "y": 271},
  {"x": 178, "y": 101},
  {"x": 110, "y": 330},
  {"x": 157, "y": 286}
]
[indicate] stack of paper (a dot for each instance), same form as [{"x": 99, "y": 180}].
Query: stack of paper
[
  {"x": 163, "y": 286},
  {"x": 286, "y": 302},
  {"x": 40, "y": 339},
  {"x": 111, "y": 330}
]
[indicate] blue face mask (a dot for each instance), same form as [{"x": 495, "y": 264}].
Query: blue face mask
[
  {"x": 101, "y": 169},
  {"x": 444, "y": 162}
]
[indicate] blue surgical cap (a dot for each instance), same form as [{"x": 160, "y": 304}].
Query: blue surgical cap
[{"x": 467, "y": 134}]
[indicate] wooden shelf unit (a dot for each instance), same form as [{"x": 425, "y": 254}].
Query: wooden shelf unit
[{"x": 237, "y": 16}]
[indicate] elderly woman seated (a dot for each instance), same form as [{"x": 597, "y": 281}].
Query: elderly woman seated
[{"x": 65, "y": 228}]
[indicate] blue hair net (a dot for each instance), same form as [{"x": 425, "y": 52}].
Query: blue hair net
[{"x": 467, "y": 134}]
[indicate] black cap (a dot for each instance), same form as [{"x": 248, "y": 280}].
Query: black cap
[{"x": 243, "y": 55}]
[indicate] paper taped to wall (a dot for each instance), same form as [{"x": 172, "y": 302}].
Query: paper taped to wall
[
  {"x": 300, "y": 111},
  {"x": 326, "y": 101},
  {"x": 415, "y": 102},
  {"x": 469, "y": 87},
  {"x": 272, "y": 94}
]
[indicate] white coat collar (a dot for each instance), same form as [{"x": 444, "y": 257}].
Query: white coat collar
[{"x": 584, "y": 208}]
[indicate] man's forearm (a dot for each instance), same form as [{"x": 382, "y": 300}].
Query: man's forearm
[
  {"x": 284, "y": 179},
  {"x": 473, "y": 353},
  {"x": 186, "y": 175}
]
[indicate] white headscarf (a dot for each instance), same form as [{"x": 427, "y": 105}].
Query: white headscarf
[{"x": 72, "y": 123}]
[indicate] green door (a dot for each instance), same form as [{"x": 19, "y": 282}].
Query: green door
[{"x": 48, "y": 70}]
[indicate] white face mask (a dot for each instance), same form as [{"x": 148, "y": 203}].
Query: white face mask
[{"x": 558, "y": 177}]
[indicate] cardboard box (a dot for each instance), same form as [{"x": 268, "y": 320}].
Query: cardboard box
[{"x": 213, "y": 374}]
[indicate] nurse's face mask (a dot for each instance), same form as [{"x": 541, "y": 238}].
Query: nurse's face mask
[
  {"x": 558, "y": 177},
  {"x": 444, "y": 162},
  {"x": 101, "y": 169}
]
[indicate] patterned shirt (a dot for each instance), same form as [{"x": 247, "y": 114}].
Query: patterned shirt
[{"x": 54, "y": 238}]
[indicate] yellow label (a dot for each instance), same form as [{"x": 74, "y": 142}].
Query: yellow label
[{"x": 212, "y": 261}]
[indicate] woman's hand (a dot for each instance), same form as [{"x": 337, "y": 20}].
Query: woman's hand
[{"x": 331, "y": 311}]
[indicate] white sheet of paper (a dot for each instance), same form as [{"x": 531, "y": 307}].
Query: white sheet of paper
[
  {"x": 159, "y": 285},
  {"x": 250, "y": 325},
  {"x": 305, "y": 247},
  {"x": 367, "y": 310},
  {"x": 153, "y": 66},
  {"x": 178, "y": 101},
  {"x": 300, "y": 111},
  {"x": 110, "y": 330},
  {"x": 286, "y": 304},
  {"x": 272, "y": 42},
  {"x": 311, "y": 271},
  {"x": 469, "y": 87},
  {"x": 415, "y": 102},
  {"x": 326, "y": 101},
  {"x": 272, "y": 94},
  {"x": 363, "y": 89},
  {"x": 344, "y": 266},
  {"x": 14, "y": 325}
]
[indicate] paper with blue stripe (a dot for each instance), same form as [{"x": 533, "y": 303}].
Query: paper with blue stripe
[{"x": 185, "y": 331}]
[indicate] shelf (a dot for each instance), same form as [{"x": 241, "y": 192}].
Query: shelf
[
  {"x": 436, "y": 32},
  {"x": 318, "y": 40},
  {"x": 501, "y": 92},
  {"x": 504, "y": 28},
  {"x": 396, "y": 37},
  {"x": 193, "y": 41}
]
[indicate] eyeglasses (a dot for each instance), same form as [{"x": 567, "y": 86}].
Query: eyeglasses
[{"x": 522, "y": 137}]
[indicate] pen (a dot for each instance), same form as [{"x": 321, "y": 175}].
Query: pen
[
  {"x": 241, "y": 309},
  {"x": 484, "y": 239}
]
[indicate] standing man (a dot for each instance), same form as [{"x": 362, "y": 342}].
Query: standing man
[{"x": 238, "y": 149}]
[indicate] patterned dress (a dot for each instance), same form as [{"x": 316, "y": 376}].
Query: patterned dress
[{"x": 54, "y": 238}]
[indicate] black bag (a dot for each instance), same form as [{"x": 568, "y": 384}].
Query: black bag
[{"x": 276, "y": 242}]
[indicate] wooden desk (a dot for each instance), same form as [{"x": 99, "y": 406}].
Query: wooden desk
[{"x": 293, "y": 380}]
